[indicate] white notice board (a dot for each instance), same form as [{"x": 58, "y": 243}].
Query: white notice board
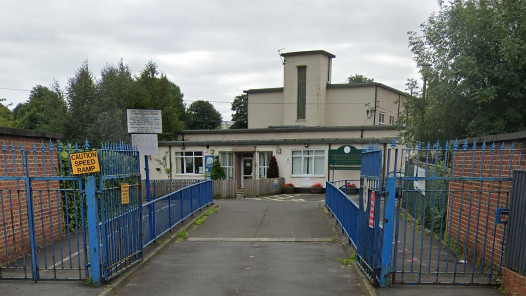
[
  {"x": 143, "y": 121},
  {"x": 146, "y": 143}
]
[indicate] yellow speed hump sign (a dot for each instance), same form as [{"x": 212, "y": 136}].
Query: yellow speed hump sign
[{"x": 85, "y": 162}]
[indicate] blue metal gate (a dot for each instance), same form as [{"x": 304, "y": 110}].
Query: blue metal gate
[
  {"x": 43, "y": 214},
  {"x": 49, "y": 218},
  {"x": 451, "y": 212}
]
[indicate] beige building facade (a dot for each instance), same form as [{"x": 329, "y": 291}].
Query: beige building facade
[{"x": 299, "y": 124}]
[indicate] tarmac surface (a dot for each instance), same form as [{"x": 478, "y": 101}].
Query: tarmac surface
[{"x": 275, "y": 245}]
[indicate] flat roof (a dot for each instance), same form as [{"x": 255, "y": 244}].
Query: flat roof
[
  {"x": 264, "y": 90},
  {"x": 383, "y": 140},
  {"x": 367, "y": 84},
  {"x": 308, "y": 52},
  {"x": 284, "y": 129}
]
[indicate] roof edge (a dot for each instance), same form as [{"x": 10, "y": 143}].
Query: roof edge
[{"x": 307, "y": 52}]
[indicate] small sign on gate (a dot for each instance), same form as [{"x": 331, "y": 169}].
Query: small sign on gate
[
  {"x": 125, "y": 193},
  {"x": 371, "y": 215},
  {"x": 85, "y": 162}
]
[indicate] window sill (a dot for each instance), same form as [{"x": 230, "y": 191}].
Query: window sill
[{"x": 310, "y": 176}]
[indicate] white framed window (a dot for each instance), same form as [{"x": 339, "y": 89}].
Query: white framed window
[
  {"x": 381, "y": 119},
  {"x": 226, "y": 160},
  {"x": 308, "y": 163},
  {"x": 391, "y": 119},
  {"x": 264, "y": 160},
  {"x": 189, "y": 162}
]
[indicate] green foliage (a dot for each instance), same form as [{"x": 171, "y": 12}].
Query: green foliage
[
  {"x": 154, "y": 91},
  {"x": 218, "y": 173},
  {"x": 6, "y": 117},
  {"x": 240, "y": 108},
  {"x": 204, "y": 116},
  {"x": 165, "y": 163},
  {"x": 81, "y": 98},
  {"x": 476, "y": 81},
  {"x": 183, "y": 234},
  {"x": 273, "y": 168},
  {"x": 202, "y": 219},
  {"x": 45, "y": 110},
  {"x": 96, "y": 108},
  {"x": 358, "y": 78},
  {"x": 352, "y": 258}
]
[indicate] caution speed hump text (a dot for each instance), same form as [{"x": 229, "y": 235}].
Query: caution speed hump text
[{"x": 85, "y": 162}]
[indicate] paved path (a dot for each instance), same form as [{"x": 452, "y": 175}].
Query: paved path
[{"x": 253, "y": 247}]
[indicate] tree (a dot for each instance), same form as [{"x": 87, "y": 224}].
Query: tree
[
  {"x": 114, "y": 96},
  {"x": 81, "y": 98},
  {"x": 273, "y": 168},
  {"x": 240, "y": 108},
  {"x": 358, "y": 78},
  {"x": 45, "y": 110},
  {"x": 154, "y": 91},
  {"x": 6, "y": 116},
  {"x": 218, "y": 173},
  {"x": 476, "y": 82},
  {"x": 204, "y": 116}
]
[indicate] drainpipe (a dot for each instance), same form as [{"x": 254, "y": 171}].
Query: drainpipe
[
  {"x": 375, "y": 99},
  {"x": 170, "y": 158},
  {"x": 329, "y": 167}
]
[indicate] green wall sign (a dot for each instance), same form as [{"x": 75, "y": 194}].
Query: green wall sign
[{"x": 345, "y": 157}]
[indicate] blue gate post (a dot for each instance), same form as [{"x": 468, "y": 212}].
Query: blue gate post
[
  {"x": 31, "y": 217},
  {"x": 387, "y": 248},
  {"x": 149, "y": 197},
  {"x": 93, "y": 230}
]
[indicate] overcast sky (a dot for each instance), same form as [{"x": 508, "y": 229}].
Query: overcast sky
[{"x": 213, "y": 50}]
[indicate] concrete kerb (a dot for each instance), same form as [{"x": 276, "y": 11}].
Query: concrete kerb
[
  {"x": 113, "y": 287},
  {"x": 365, "y": 284}
]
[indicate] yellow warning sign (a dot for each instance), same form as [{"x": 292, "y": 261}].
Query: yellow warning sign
[
  {"x": 125, "y": 193},
  {"x": 85, "y": 162}
]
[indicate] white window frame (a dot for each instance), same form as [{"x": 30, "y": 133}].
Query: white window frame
[
  {"x": 308, "y": 157},
  {"x": 263, "y": 165},
  {"x": 182, "y": 156},
  {"x": 391, "y": 119},
  {"x": 381, "y": 118},
  {"x": 226, "y": 165}
]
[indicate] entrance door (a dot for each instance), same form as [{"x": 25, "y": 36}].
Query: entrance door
[{"x": 246, "y": 169}]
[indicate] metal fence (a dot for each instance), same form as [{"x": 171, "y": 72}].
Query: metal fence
[
  {"x": 515, "y": 258},
  {"x": 42, "y": 215},
  {"x": 161, "y": 188},
  {"x": 162, "y": 214}
]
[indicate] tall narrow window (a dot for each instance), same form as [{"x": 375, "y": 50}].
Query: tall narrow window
[
  {"x": 302, "y": 91},
  {"x": 226, "y": 160},
  {"x": 391, "y": 119},
  {"x": 381, "y": 120},
  {"x": 264, "y": 160}
]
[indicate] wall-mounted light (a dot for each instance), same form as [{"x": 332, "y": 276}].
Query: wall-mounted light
[
  {"x": 158, "y": 169},
  {"x": 306, "y": 145},
  {"x": 212, "y": 151},
  {"x": 182, "y": 147},
  {"x": 278, "y": 150}
]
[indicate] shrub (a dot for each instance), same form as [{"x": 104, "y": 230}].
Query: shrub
[
  {"x": 273, "y": 168},
  {"x": 317, "y": 185},
  {"x": 288, "y": 185},
  {"x": 218, "y": 173}
]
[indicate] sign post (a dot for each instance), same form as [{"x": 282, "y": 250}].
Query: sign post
[{"x": 144, "y": 125}]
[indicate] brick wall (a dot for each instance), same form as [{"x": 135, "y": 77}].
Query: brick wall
[
  {"x": 14, "y": 231},
  {"x": 473, "y": 204},
  {"x": 514, "y": 283}
]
